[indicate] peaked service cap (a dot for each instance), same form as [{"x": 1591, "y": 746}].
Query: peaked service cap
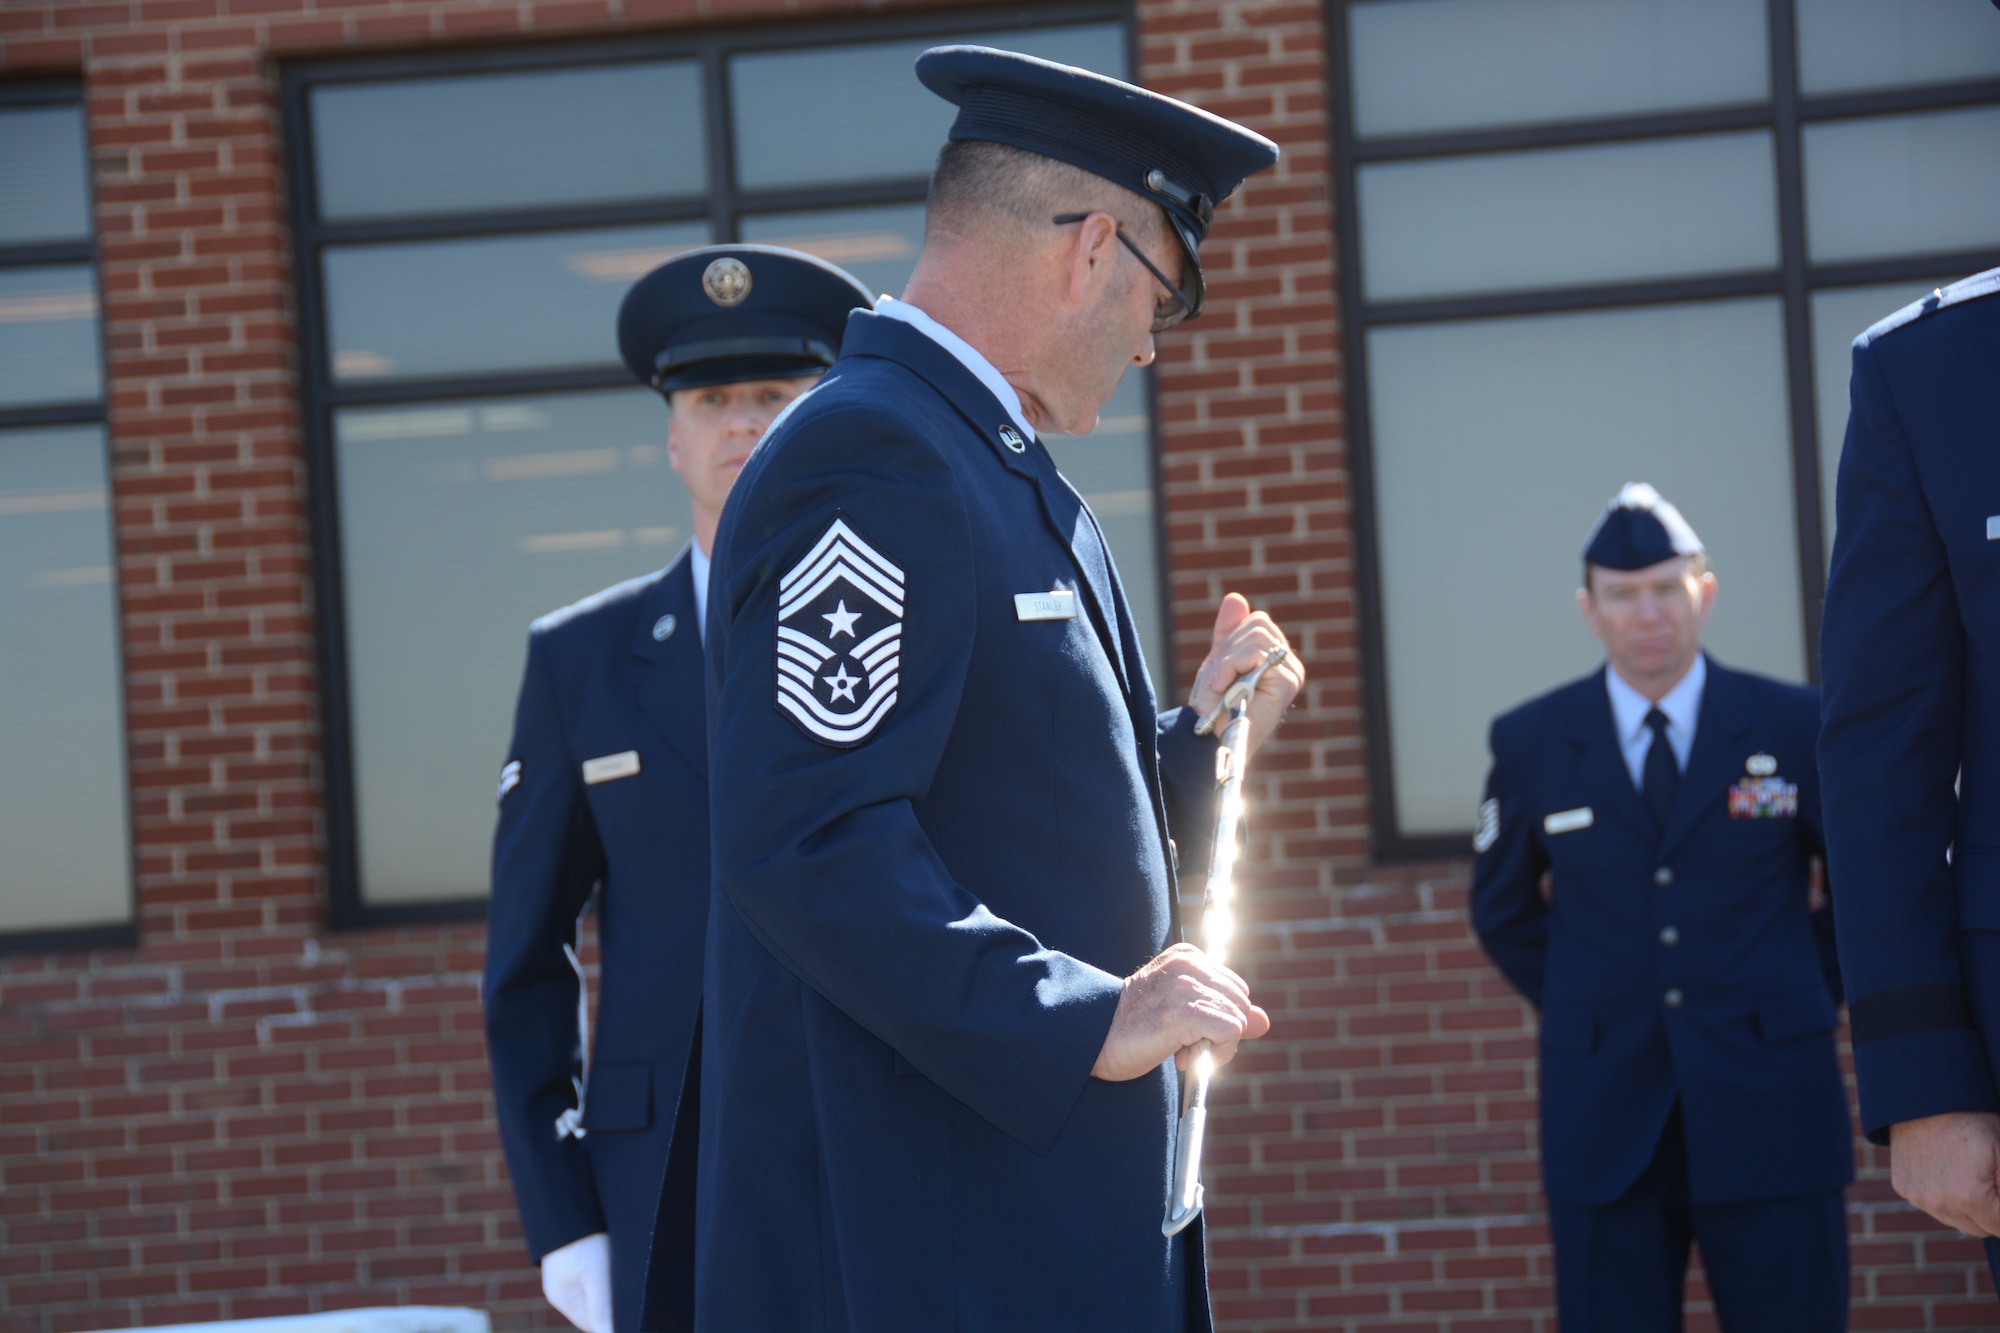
[
  {"x": 1638, "y": 528},
  {"x": 724, "y": 313},
  {"x": 1184, "y": 159}
]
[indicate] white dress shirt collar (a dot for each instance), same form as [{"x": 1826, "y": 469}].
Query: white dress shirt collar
[
  {"x": 967, "y": 354},
  {"x": 1682, "y": 705},
  {"x": 698, "y": 566}
]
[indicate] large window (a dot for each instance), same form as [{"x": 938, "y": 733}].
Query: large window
[
  {"x": 65, "y": 842},
  {"x": 467, "y": 228},
  {"x": 1597, "y": 241}
]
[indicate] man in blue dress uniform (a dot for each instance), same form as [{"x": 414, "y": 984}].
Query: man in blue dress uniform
[
  {"x": 944, "y": 993},
  {"x": 607, "y": 783},
  {"x": 1910, "y": 753},
  {"x": 1643, "y": 878}
]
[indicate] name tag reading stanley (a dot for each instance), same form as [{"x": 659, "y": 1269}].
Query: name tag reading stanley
[
  {"x": 1057, "y": 605},
  {"x": 606, "y": 767},
  {"x": 1569, "y": 821}
]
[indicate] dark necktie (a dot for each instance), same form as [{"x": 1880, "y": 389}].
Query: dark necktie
[{"x": 1661, "y": 776}]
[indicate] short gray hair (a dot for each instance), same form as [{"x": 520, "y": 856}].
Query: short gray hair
[{"x": 976, "y": 180}]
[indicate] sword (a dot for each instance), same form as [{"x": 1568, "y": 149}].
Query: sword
[{"x": 1218, "y": 925}]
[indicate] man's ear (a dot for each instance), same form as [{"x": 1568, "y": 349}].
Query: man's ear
[{"x": 1093, "y": 255}]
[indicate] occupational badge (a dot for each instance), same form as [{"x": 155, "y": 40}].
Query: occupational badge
[
  {"x": 1761, "y": 765},
  {"x": 1488, "y": 831},
  {"x": 727, "y": 281},
  {"x": 840, "y": 638},
  {"x": 1764, "y": 798}
]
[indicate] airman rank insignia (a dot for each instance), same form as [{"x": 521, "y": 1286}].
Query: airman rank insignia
[
  {"x": 840, "y": 638},
  {"x": 510, "y": 778},
  {"x": 1488, "y": 831},
  {"x": 1764, "y": 798}
]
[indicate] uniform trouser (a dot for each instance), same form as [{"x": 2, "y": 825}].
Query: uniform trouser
[{"x": 1774, "y": 1265}]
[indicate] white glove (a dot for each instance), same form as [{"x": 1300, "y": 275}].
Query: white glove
[{"x": 577, "y": 1281}]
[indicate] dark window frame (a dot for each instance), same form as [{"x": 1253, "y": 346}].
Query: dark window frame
[
  {"x": 722, "y": 207},
  {"x": 14, "y": 95},
  {"x": 1793, "y": 281}
]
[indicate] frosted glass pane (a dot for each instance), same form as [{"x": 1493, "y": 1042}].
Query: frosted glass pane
[
  {"x": 1496, "y": 444},
  {"x": 1838, "y": 315},
  {"x": 65, "y": 845},
  {"x": 48, "y": 335},
  {"x": 1568, "y": 217},
  {"x": 460, "y": 523},
  {"x": 478, "y": 142},
  {"x": 842, "y": 113},
  {"x": 1850, "y": 45},
  {"x": 42, "y": 160},
  {"x": 1903, "y": 185},
  {"x": 1421, "y": 66},
  {"x": 877, "y": 245},
  {"x": 541, "y": 302}
]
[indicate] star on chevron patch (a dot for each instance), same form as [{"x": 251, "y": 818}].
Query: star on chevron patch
[{"x": 840, "y": 638}]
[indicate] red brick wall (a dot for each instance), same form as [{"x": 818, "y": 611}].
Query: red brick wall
[{"x": 250, "y": 1115}]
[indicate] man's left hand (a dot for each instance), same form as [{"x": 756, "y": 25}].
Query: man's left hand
[{"x": 1242, "y": 638}]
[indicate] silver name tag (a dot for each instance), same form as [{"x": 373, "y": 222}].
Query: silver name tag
[
  {"x": 1993, "y": 528},
  {"x": 1569, "y": 821},
  {"x": 1057, "y": 605},
  {"x": 606, "y": 767}
]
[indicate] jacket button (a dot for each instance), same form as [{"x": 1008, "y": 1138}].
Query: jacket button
[
  {"x": 1669, "y": 936},
  {"x": 1673, "y": 998},
  {"x": 1663, "y": 876}
]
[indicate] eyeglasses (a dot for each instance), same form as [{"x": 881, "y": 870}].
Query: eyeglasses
[{"x": 1168, "y": 310}]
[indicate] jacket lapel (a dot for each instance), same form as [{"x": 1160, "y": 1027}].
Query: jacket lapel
[
  {"x": 671, "y": 679},
  {"x": 1719, "y": 731},
  {"x": 1600, "y": 760},
  {"x": 870, "y": 334}
]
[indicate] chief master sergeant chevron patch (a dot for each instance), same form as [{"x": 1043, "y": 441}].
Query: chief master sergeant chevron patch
[{"x": 840, "y": 638}]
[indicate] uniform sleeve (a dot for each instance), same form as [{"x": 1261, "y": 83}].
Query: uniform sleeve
[
  {"x": 1508, "y": 912},
  {"x": 1811, "y": 827},
  {"x": 546, "y": 857},
  {"x": 1187, "y": 775},
  {"x": 1892, "y": 659},
  {"x": 817, "y": 843}
]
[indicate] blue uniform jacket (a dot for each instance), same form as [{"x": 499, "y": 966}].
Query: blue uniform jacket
[
  {"x": 1679, "y": 965},
  {"x": 1910, "y": 653},
  {"x": 602, "y": 682},
  {"x": 918, "y": 936}
]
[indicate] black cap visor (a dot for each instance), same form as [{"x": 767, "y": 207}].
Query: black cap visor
[{"x": 700, "y": 365}]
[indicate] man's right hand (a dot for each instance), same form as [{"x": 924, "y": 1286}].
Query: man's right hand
[
  {"x": 1949, "y": 1166},
  {"x": 1179, "y": 998},
  {"x": 577, "y": 1281}
]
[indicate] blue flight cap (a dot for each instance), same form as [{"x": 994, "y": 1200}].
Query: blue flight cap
[
  {"x": 1638, "y": 528},
  {"x": 725, "y": 313},
  {"x": 1184, "y": 159}
]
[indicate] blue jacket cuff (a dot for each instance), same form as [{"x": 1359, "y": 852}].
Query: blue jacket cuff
[{"x": 1921, "y": 1074}]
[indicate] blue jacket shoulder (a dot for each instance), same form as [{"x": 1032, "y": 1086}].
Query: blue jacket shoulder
[
  {"x": 873, "y": 386},
  {"x": 1781, "y": 698},
  {"x": 1546, "y": 711},
  {"x": 1974, "y": 288},
  {"x": 604, "y": 615}
]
